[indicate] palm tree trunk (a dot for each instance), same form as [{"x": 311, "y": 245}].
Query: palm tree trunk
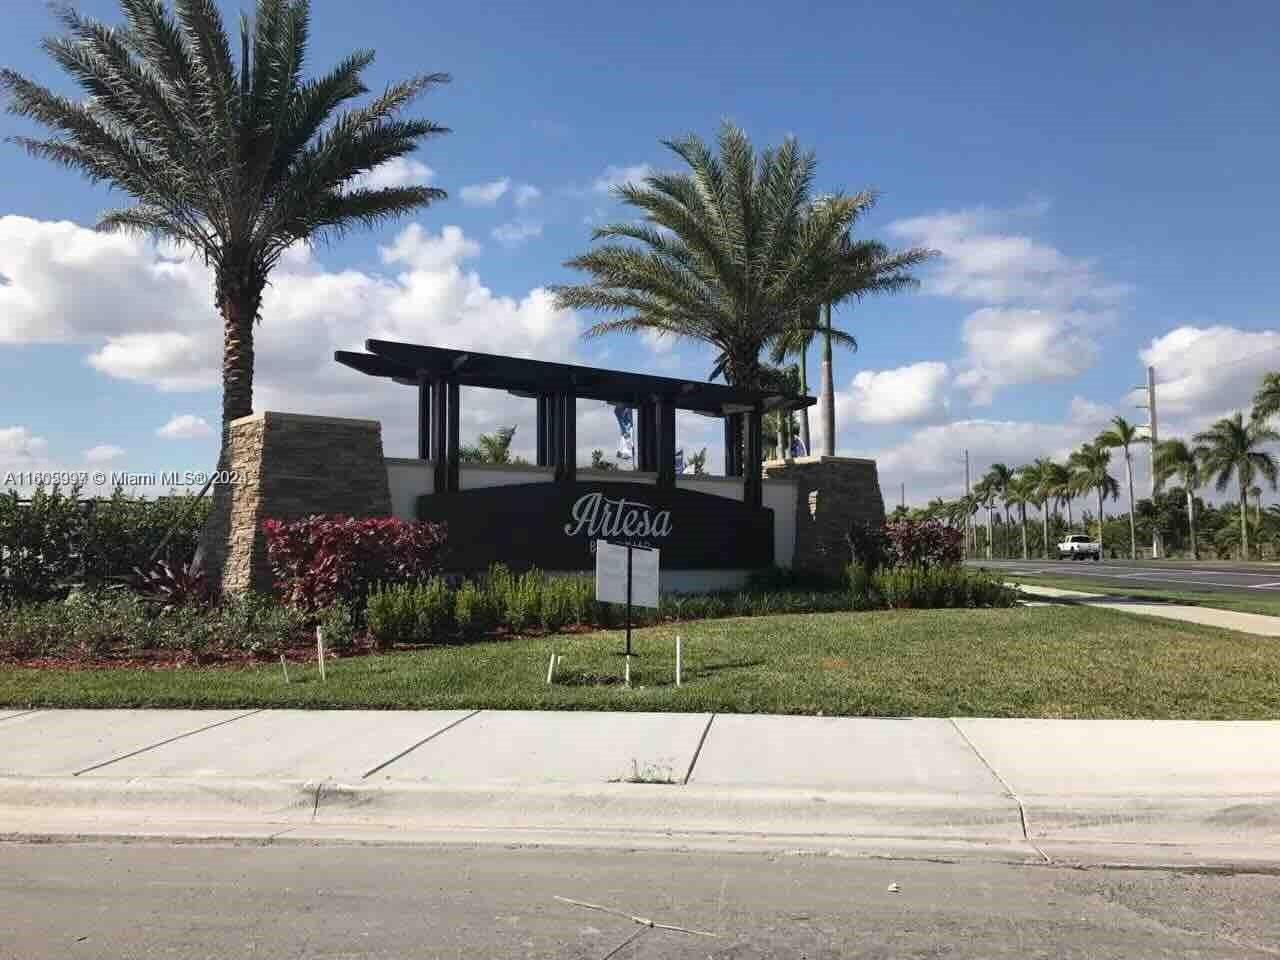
[
  {"x": 989, "y": 531},
  {"x": 1100, "y": 550},
  {"x": 804, "y": 389},
  {"x": 1044, "y": 516},
  {"x": 1008, "y": 531},
  {"x": 1133, "y": 530},
  {"x": 1070, "y": 521},
  {"x": 1191, "y": 522},
  {"x": 1244, "y": 521},
  {"x": 828, "y": 390},
  {"x": 1022, "y": 516}
]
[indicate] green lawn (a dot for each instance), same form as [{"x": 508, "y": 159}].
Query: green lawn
[
  {"x": 1038, "y": 662},
  {"x": 1259, "y": 602}
]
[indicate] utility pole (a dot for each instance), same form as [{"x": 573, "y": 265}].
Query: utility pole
[
  {"x": 1154, "y": 434},
  {"x": 967, "y": 517},
  {"x": 903, "y": 500}
]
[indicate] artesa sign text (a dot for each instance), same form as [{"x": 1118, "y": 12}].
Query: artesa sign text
[{"x": 599, "y": 516}]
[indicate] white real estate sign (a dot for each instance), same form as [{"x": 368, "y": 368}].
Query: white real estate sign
[{"x": 611, "y": 574}]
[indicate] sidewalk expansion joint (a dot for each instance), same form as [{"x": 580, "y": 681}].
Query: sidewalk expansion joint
[
  {"x": 697, "y": 752},
  {"x": 152, "y": 746},
  {"x": 1022, "y": 810},
  {"x": 15, "y": 716},
  {"x": 404, "y": 753}
]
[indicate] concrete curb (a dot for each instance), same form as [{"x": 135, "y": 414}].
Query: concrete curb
[
  {"x": 617, "y": 807},
  {"x": 1181, "y": 828}
]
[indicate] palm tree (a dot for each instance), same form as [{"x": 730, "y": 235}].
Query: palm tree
[
  {"x": 494, "y": 448},
  {"x": 1256, "y": 493},
  {"x": 235, "y": 161},
  {"x": 1124, "y": 434},
  {"x": 1175, "y": 459},
  {"x": 998, "y": 479},
  {"x": 1233, "y": 446},
  {"x": 984, "y": 495},
  {"x": 1021, "y": 491},
  {"x": 1040, "y": 475},
  {"x": 1266, "y": 402},
  {"x": 1058, "y": 483},
  {"x": 732, "y": 254},
  {"x": 1089, "y": 472}
]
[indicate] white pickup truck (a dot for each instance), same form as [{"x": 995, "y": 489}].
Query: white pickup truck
[{"x": 1079, "y": 547}]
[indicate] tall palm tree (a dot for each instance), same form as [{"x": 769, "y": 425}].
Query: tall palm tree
[
  {"x": 491, "y": 447},
  {"x": 1040, "y": 475},
  {"x": 1174, "y": 458},
  {"x": 1089, "y": 472},
  {"x": 1256, "y": 493},
  {"x": 1233, "y": 445},
  {"x": 732, "y": 254},
  {"x": 1058, "y": 482},
  {"x": 998, "y": 478},
  {"x": 1021, "y": 491},
  {"x": 1124, "y": 434},
  {"x": 1266, "y": 402},
  {"x": 237, "y": 161},
  {"x": 984, "y": 494}
]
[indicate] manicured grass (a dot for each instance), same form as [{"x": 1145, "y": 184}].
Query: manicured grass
[
  {"x": 1037, "y": 662},
  {"x": 1257, "y": 602}
]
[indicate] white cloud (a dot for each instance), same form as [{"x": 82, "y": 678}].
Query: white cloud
[
  {"x": 185, "y": 426},
  {"x": 517, "y": 232},
  {"x": 21, "y": 450},
  {"x": 1210, "y": 371},
  {"x": 398, "y": 172},
  {"x": 168, "y": 360},
  {"x": 103, "y": 453},
  {"x": 909, "y": 394},
  {"x": 1010, "y": 345},
  {"x": 617, "y": 176},
  {"x": 485, "y": 194},
  {"x": 526, "y": 195},
  {"x": 148, "y": 318},
  {"x": 1086, "y": 413},
  {"x": 1044, "y": 308}
]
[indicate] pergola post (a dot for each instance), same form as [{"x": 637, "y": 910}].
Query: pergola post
[
  {"x": 567, "y": 471},
  {"x": 753, "y": 469},
  {"x": 451, "y": 479},
  {"x": 666, "y": 441},
  {"x": 424, "y": 418},
  {"x": 439, "y": 435},
  {"x": 733, "y": 445},
  {"x": 543, "y": 404}
]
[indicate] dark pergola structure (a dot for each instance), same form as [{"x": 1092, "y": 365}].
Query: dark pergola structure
[{"x": 438, "y": 373}]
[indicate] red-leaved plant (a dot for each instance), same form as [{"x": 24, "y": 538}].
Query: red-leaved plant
[
  {"x": 325, "y": 559},
  {"x": 923, "y": 543}
]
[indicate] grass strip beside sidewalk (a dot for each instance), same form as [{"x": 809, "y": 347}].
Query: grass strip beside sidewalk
[{"x": 1029, "y": 662}]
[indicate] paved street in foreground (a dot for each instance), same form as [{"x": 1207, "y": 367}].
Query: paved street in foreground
[
  {"x": 1208, "y": 576},
  {"x": 89, "y": 901}
]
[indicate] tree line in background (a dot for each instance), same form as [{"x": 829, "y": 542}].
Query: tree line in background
[{"x": 1229, "y": 454}]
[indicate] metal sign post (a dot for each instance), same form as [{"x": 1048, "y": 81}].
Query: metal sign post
[{"x": 628, "y": 575}]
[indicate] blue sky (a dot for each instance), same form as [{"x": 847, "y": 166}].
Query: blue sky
[{"x": 1101, "y": 179}]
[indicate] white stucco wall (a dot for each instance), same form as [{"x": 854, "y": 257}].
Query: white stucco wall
[
  {"x": 473, "y": 476},
  {"x": 409, "y": 479},
  {"x": 780, "y": 497}
]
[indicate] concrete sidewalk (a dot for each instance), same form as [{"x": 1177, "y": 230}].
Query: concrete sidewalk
[
  {"x": 1182, "y": 791},
  {"x": 1256, "y": 623}
]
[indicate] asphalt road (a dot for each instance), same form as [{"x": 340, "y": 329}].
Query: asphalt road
[
  {"x": 1206, "y": 576},
  {"x": 186, "y": 901}
]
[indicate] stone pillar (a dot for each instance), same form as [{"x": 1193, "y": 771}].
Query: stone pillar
[
  {"x": 831, "y": 494},
  {"x": 287, "y": 466}
]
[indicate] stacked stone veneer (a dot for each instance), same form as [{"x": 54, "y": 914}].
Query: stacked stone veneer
[
  {"x": 831, "y": 494},
  {"x": 288, "y": 466}
]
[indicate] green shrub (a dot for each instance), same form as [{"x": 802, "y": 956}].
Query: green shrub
[
  {"x": 500, "y": 584},
  {"x": 524, "y": 604},
  {"x": 410, "y": 613},
  {"x": 559, "y": 602},
  {"x": 473, "y": 610},
  {"x": 940, "y": 587},
  {"x": 338, "y": 627}
]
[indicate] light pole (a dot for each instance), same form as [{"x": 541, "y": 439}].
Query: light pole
[{"x": 1154, "y": 438}]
